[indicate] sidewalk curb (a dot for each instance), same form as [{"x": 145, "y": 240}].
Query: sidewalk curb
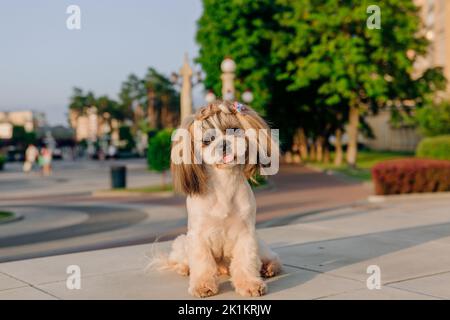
[{"x": 409, "y": 196}]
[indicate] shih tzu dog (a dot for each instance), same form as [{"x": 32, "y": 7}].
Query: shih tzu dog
[{"x": 214, "y": 154}]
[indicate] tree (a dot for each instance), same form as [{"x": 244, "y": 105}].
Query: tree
[
  {"x": 241, "y": 29},
  {"x": 80, "y": 102},
  {"x": 251, "y": 33},
  {"x": 21, "y": 137},
  {"x": 154, "y": 94},
  {"x": 327, "y": 44},
  {"x": 158, "y": 154},
  {"x": 132, "y": 93},
  {"x": 126, "y": 136},
  {"x": 434, "y": 119},
  {"x": 161, "y": 98}
]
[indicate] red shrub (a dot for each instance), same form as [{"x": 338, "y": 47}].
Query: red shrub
[{"x": 411, "y": 175}]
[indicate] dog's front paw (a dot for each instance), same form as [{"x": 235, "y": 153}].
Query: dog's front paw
[
  {"x": 270, "y": 268},
  {"x": 204, "y": 289},
  {"x": 251, "y": 288}
]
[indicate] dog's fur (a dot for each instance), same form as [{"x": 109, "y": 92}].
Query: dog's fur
[{"x": 221, "y": 237}]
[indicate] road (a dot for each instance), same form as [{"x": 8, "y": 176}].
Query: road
[{"x": 60, "y": 215}]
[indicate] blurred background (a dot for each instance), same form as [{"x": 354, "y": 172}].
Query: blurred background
[{"x": 89, "y": 97}]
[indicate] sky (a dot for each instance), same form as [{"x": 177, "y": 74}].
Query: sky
[{"x": 41, "y": 60}]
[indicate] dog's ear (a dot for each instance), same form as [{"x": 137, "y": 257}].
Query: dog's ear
[
  {"x": 267, "y": 147},
  {"x": 188, "y": 177}
]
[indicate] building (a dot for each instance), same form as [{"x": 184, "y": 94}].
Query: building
[
  {"x": 30, "y": 120},
  {"x": 91, "y": 127},
  {"x": 435, "y": 15}
]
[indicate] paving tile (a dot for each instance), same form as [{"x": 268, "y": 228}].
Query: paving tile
[
  {"x": 7, "y": 282},
  {"x": 296, "y": 234},
  {"x": 385, "y": 293},
  {"x": 24, "y": 293},
  {"x": 436, "y": 285},
  {"x": 405, "y": 219},
  {"x": 292, "y": 284},
  {"x": 349, "y": 257},
  {"x": 134, "y": 284},
  {"x": 51, "y": 269},
  {"x": 298, "y": 284}
]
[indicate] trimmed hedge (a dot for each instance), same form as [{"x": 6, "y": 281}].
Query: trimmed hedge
[
  {"x": 411, "y": 176},
  {"x": 434, "y": 148}
]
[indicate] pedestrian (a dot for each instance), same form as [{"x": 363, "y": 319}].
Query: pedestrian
[
  {"x": 31, "y": 154},
  {"x": 112, "y": 151},
  {"x": 45, "y": 160}
]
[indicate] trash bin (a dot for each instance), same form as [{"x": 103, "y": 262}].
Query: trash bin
[{"x": 118, "y": 177}]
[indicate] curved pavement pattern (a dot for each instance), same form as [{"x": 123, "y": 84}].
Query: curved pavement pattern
[{"x": 85, "y": 227}]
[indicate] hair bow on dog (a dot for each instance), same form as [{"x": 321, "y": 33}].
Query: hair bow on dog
[{"x": 239, "y": 107}]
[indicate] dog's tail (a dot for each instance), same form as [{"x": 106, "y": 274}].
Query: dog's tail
[{"x": 176, "y": 260}]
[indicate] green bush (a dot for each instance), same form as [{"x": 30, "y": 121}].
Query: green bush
[
  {"x": 126, "y": 135},
  {"x": 158, "y": 153},
  {"x": 434, "y": 148},
  {"x": 434, "y": 120},
  {"x": 2, "y": 161}
]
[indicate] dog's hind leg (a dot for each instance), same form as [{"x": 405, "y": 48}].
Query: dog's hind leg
[
  {"x": 176, "y": 260},
  {"x": 271, "y": 263},
  {"x": 178, "y": 257}
]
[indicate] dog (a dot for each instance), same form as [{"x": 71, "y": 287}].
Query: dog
[{"x": 221, "y": 237}]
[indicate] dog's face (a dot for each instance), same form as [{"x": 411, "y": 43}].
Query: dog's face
[
  {"x": 219, "y": 139},
  {"x": 222, "y": 141}
]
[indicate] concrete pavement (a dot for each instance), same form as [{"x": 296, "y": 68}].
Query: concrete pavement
[{"x": 325, "y": 257}]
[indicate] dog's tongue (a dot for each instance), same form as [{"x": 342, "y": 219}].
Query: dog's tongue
[{"x": 228, "y": 158}]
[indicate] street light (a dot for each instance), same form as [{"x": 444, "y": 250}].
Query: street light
[
  {"x": 247, "y": 96},
  {"x": 228, "y": 67}
]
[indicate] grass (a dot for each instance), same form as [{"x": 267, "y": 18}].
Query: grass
[
  {"x": 150, "y": 189},
  {"x": 5, "y": 215},
  {"x": 366, "y": 160}
]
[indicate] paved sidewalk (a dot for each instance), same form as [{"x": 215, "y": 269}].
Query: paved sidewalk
[{"x": 325, "y": 257}]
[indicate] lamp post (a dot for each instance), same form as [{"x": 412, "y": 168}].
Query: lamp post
[
  {"x": 247, "y": 96},
  {"x": 228, "y": 67},
  {"x": 185, "y": 75}
]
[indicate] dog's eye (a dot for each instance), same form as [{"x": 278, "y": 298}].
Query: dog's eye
[
  {"x": 207, "y": 141},
  {"x": 235, "y": 131}
]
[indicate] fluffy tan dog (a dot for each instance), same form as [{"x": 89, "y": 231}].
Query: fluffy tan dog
[{"x": 221, "y": 236}]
